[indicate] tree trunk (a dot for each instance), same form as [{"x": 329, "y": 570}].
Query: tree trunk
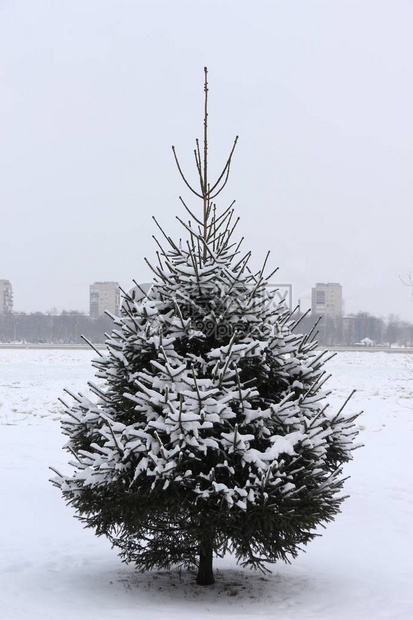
[{"x": 205, "y": 575}]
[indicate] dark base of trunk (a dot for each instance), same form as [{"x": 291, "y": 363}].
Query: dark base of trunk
[{"x": 205, "y": 575}]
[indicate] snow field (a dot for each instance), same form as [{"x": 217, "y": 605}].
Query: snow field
[{"x": 361, "y": 567}]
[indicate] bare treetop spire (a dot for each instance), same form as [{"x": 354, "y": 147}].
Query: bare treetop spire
[{"x": 208, "y": 192}]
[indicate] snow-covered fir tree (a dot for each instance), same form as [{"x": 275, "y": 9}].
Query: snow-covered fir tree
[{"x": 207, "y": 429}]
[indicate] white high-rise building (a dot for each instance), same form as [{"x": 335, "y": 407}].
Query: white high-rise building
[
  {"x": 6, "y": 297},
  {"x": 104, "y": 296},
  {"x": 327, "y": 299}
]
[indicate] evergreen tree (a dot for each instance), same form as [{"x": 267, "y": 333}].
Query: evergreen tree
[{"x": 211, "y": 432}]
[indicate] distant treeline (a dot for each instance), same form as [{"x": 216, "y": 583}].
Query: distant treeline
[
  {"x": 67, "y": 328},
  {"x": 64, "y": 328},
  {"x": 353, "y": 329}
]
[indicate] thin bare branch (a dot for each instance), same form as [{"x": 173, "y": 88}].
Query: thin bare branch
[
  {"x": 224, "y": 213},
  {"x": 92, "y": 346},
  {"x": 225, "y": 170},
  {"x": 169, "y": 240},
  {"x": 183, "y": 176},
  {"x": 140, "y": 288},
  {"x": 199, "y": 166}
]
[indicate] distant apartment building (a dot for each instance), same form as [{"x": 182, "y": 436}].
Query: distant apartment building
[
  {"x": 6, "y": 297},
  {"x": 327, "y": 299},
  {"x": 104, "y": 296}
]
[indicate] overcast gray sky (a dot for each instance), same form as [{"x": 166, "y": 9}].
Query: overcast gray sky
[{"x": 95, "y": 92}]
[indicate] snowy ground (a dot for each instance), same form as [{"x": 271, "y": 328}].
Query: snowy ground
[{"x": 50, "y": 567}]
